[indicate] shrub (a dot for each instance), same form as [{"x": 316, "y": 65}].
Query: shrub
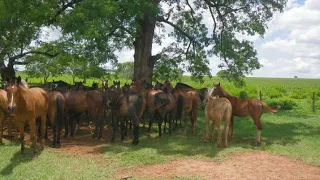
[
  {"x": 243, "y": 95},
  {"x": 285, "y": 103}
]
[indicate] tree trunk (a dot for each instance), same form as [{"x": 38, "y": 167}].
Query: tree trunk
[{"x": 143, "y": 59}]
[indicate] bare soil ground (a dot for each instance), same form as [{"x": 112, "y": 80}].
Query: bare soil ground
[
  {"x": 240, "y": 165},
  {"x": 244, "y": 165}
]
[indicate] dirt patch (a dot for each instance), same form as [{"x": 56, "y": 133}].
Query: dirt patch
[{"x": 245, "y": 165}]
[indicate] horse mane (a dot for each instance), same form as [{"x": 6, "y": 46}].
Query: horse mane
[{"x": 181, "y": 85}]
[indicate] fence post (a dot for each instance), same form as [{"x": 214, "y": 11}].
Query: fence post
[
  {"x": 313, "y": 102},
  {"x": 260, "y": 95}
]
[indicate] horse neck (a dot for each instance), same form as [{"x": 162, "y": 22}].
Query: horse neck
[{"x": 224, "y": 93}]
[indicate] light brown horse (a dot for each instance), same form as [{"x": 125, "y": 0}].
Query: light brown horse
[
  {"x": 56, "y": 115},
  {"x": 28, "y": 105},
  {"x": 3, "y": 110},
  {"x": 245, "y": 107},
  {"x": 217, "y": 109}
]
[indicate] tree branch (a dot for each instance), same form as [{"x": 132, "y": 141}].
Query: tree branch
[
  {"x": 153, "y": 59},
  {"x": 13, "y": 58},
  {"x": 161, "y": 19},
  {"x": 62, "y": 9}
]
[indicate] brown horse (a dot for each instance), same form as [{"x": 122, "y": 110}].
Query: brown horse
[
  {"x": 245, "y": 107},
  {"x": 28, "y": 105},
  {"x": 125, "y": 105},
  {"x": 166, "y": 106},
  {"x": 56, "y": 115},
  {"x": 76, "y": 105},
  {"x": 94, "y": 100},
  {"x": 217, "y": 109},
  {"x": 104, "y": 86},
  {"x": 3, "y": 110},
  {"x": 189, "y": 103}
]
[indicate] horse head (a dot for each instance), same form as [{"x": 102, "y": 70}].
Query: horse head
[
  {"x": 216, "y": 90},
  {"x": 13, "y": 92},
  {"x": 167, "y": 87}
]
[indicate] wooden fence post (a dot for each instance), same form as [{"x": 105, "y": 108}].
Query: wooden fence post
[
  {"x": 313, "y": 102},
  {"x": 260, "y": 95}
]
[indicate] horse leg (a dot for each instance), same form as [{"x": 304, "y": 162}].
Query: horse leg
[
  {"x": 43, "y": 129},
  {"x": 231, "y": 134},
  {"x": 185, "y": 114},
  {"x": 123, "y": 128},
  {"x": 207, "y": 128},
  {"x": 1, "y": 124},
  {"x": 21, "y": 131},
  {"x": 135, "y": 134},
  {"x": 54, "y": 130},
  {"x": 114, "y": 128},
  {"x": 159, "y": 126},
  {"x": 151, "y": 119},
  {"x": 219, "y": 140},
  {"x": 66, "y": 125},
  {"x": 257, "y": 122},
  {"x": 73, "y": 126},
  {"x": 32, "y": 125},
  {"x": 88, "y": 120},
  {"x": 170, "y": 118},
  {"x": 101, "y": 125},
  {"x": 226, "y": 130}
]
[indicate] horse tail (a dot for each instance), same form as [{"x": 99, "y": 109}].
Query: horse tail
[
  {"x": 179, "y": 107},
  {"x": 135, "y": 108},
  {"x": 270, "y": 109},
  {"x": 60, "y": 111}
]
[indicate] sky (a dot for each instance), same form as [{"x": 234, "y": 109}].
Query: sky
[{"x": 290, "y": 47}]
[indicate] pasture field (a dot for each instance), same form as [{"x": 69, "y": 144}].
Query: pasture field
[{"x": 294, "y": 133}]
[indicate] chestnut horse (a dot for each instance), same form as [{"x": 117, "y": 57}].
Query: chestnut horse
[
  {"x": 217, "y": 109},
  {"x": 245, "y": 107},
  {"x": 28, "y": 105},
  {"x": 190, "y": 103},
  {"x": 3, "y": 110},
  {"x": 56, "y": 115}
]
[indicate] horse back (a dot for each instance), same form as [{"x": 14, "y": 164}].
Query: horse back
[
  {"x": 242, "y": 107},
  {"x": 39, "y": 101},
  {"x": 76, "y": 100}
]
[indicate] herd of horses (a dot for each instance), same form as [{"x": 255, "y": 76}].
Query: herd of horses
[{"x": 61, "y": 106}]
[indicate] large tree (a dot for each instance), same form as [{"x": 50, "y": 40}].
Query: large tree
[{"x": 201, "y": 29}]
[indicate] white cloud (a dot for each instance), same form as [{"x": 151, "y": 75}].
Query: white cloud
[{"x": 292, "y": 43}]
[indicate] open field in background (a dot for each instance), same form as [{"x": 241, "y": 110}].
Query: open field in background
[
  {"x": 290, "y": 93},
  {"x": 294, "y": 132}
]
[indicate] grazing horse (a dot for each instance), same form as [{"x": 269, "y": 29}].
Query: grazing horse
[
  {"x": 28, "y": 105},
  {"x": 56, "y": 115},
  {"x": 166, "y": 105},
  {"x": 245, "y": 107},
  {"x": 217, "y": 109}
]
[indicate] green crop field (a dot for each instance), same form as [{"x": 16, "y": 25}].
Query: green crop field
[{"x": 293, "y": 131}]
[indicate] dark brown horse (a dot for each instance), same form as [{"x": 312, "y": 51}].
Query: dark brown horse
[
  {"x": 28, "y": 105},
  {"x": 126, "y": 105},
  {"x": 104, "y": 85},
  {"x": 166, "y": 106},
  {"x": 245, "y": 107},
  {"x": 56, "y": 115}
]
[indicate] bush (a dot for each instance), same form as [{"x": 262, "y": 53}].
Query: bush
[
  {"x": 243, "y": 95},
  {"x": 285, "y": 103}
]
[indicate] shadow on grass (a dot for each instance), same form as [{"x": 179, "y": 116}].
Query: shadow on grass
[
  {"x": 18, "y": 159},
  {"x": 280, "y": 129}
]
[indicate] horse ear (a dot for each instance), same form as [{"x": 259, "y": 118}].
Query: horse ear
[{"x": 19, "y": 79}]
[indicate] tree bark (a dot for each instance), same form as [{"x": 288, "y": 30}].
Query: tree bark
[{"x": 143, "y": 59}]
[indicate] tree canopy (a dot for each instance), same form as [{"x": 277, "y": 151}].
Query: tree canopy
[{"x": 93, "y": 30}]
